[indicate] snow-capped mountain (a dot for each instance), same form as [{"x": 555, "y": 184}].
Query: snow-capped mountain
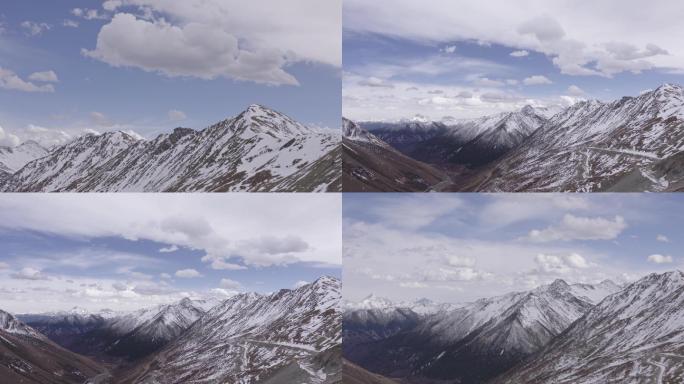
[
  {"x": 472, "y": 142},
  {"x": 477, "y": 341},
  {"x": 109, "y": 334},
  {"x": 26, "y": 356},
  {"x": 630, "y": 144},
  {"x": 14, "y": 158},
  {"x": 370, "y": 165},
  {"x": 287, "y": 336},
  {"x": 258, "y": 150},
  {"x": 633, "y": 336}
]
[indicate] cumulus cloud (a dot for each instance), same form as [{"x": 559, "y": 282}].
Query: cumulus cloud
[
  {"x": 10, "y": 80},
  {"x": 45, "y": 136},
  {"x": 486, "y": 82},
  {"x": 231, "y": 284},
  {"x": 560, "y": 264},
  {"x": 449, "y": 49},
  {"x": 580, "y": 228},
  {"x": 28, "y": 273},
  {"x": 188, "y": 273},
  {"x": 660, "y": 259},
  {"x": 520, "y": 53},
  {"x": 574, "y": 90},
  {"x": 100, "y": 119},
  {"x": 88, "y": 14},
  {"x": 70, "y": 23},
  {"x": 169, "y": 249},
  {"x": 33, "y": 28},
  {"x": 292, "y": 229},
  {"x": 590, "y": 40},
  {"x": 375, "y": 82},
  {"x": 537, "y": 80},
  {"x": 8, "y": 139},
  {"x": 663, "y": 238},
  {"x": 176, "y": 115},
  {"x": 211, "y": 39},
  {"x": 46, "y": 77},
  {"x": 300, "y": 284}
]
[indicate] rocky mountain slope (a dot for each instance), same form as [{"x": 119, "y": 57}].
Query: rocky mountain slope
[
  {"x": 258, "y": 150},
  {"x": 371, "y": 165},
  {"x": 111, "y": 336},
  {"x": 26, "y": 356},
  {"x": 472, "y": 143},
  {"x": 14, "y": 158},
  {"x": 287, "y": 336},
  {"x": 479, "y": 340},
  {"x": 633, "y": 336},
  {"x": 353, "y": 374},
  {"x": 631, "y": 144}
]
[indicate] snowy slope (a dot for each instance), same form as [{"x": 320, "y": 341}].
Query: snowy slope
[
  {"x": 471, "y": 142},
  {"x": 595, "y": 146},
  {"x": 251, "y": 338},
  {"x": 253, "y": 151},
  {"x": 13, "y": 158},
  {"x": 479, "y": 340},
  {"x": 633, "y": 336},
  {"x": 26, "y": 356},
  {"x": 371, "y": 165}
]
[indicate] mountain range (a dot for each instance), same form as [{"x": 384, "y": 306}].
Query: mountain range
[
  {"x": 630, "y": 144},
  {"x": 257, "y": 150},
  {"x": 287, "y": 336},
  {"x": 560, "y": 333}
]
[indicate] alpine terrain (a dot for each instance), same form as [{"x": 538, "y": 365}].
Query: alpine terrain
[
  {"x": 258, "y": 150},
  {"x": 633, "y": 336},
  {"x": 27, "y": 356},
  {"x": 287, "y": 336},
  {"x": 633, "y": 144},
  {"x": 371, "y": 165},
  {"x": 469, "y": 343}
]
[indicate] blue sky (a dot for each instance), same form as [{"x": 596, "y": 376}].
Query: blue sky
[
  {"x": 465, "y": 59},
  {"x": 457, "y": 248},
  {"x": 149, "y": 66},
  {"x": 129, "y": 251}
]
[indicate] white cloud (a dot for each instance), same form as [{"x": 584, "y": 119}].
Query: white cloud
[
  {"x": 28, "y": 273},
  {"x": 70, "y": 23},
  {"x": 8, "y": 139},
  {"x": 176, "y": 115},
  {"x": 188, "y": 273},
  {"x": 164, "y": 275},
  {"x": 537, "y": 80},
  {"x": 449, "y": 49},
  {"x": 560, "y": 264},
  {"x": 88, "y": 14},
  {"x": 231, "y": 284},
  {"x": 100, "y": 119},
  {"x": 520, "y": 53},
  {"x": 10, "y": 80},
  {"x": 234, "y": 232},
  {"x": 46, "y": 136},
  {"x": 34, "y": 28},
  {"x": 46, "y": 77},
  {"x": 300, "y": 284},
  {"x": 421, "y": 211},
  {"x": 213, "y": 38},
  {"x": 580, "y": 228},
  {"x": 486, "y": 82},
  {"x": 596, "y": 39},
  {"x": 663, "y": 238},
  {"x": 660, "y": 259},
  {"x": 3, "y": 265},
  {"x": 169, "y": 249},
  {"x": 574, "y": 90},
  {"x": 375, "y": 82}
]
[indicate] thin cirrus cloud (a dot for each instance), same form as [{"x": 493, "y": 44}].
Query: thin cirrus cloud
[{"x": 211, "y": 39}]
